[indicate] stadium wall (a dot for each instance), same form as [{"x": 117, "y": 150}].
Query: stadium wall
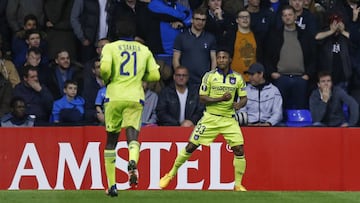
[{"x": 277, "y": 159}]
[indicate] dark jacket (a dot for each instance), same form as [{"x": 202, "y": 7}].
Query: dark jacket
[
  {"x": 52, "y": 80},
  {"x": 168, "y": 106},
  {"x": 275, "y": 43},
  {"x": 37, "y": 103},
  {"x": 326, "y": 53},
  {"x": 331, "y": 113},
  {"x": 5, "y": 95}
]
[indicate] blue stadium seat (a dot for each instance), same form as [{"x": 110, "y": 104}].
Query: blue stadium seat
[{"x": 298, "y": 118}]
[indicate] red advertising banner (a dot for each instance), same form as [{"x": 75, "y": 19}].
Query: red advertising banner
[{"x": 277, "y": 159}]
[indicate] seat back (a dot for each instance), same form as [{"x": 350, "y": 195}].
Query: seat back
[{"x": 298, "y": 117}]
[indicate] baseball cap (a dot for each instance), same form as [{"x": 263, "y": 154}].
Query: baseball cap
[{"x": 255, "y": 68}]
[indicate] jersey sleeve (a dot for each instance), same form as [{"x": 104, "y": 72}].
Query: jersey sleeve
[
  {"x": 242, "y": 86},
  {"x": 205, "y": 85},
  {"x": 105, "y": 64},
  {"x": 152, "y": 70}
]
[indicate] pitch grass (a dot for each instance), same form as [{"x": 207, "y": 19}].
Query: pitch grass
[{"x": 155, "y": 196}]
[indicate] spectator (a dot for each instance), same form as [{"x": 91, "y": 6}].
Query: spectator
[
  {"x": 264, "y": 105},
  {"x": 70, "y": 108},
  {"x": 218, "y": 21},
  {"x": 17, "y": 9},
  {"x": 179, "y": 104},
  {"x": 88, "y": 20},
  {"x": 233, "y": 6},
  {"x": 8, "y": 71},
  {"x": 17, "y": 117},
  {"x": 195, "y": 49},
  {"x": 89, "y": 65},
  {"x": 160, "y": 25},
  {"x": 149, "y": 117},
  {"x": 305, "y": 20},
  {"x": 290, "y": 60},
  {"x": 243, "y": 44},
  {"x": 61, "y": 71},
  {"x": 38, "y": 98},
  {"x": 59, "y": 32},
  {"x": 93, "y": 84},
  {"x": 126, "y": 10},
  {"x": 326, "y": 104},
  {"x": 33, "y": 58},
  {"x": 5, "y": 94},
  {"x": 335, "y": 52},
  {"x": 262, "y": 20},
  {"x": 33, "y": 38}
]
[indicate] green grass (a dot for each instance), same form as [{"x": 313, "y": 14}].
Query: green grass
[{"x": 97, "y": 196}]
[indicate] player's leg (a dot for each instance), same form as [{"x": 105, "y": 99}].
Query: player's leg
[
  {"x": 113, "y": 128},
  {"x": 233, "y": 135},
  {"x": 134, "y": 153},
  {"x": 239, "y": 163},
  {"x": 183, "y": 156},
  {"x": 132, "y": 123},
  {"x": 203, "y": 134},
  {"x": 109, "y": 158}
]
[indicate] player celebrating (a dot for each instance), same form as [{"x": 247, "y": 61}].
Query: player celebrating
[
  {"x": 124, "y": 65},
  {"x": 217, "y": 91}
]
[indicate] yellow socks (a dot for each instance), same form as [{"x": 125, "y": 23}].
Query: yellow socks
[
  {"x": 180, "y": 159},
  {"x": 134, "y": 151},
  {"x": 110, "y": 157},
  {"x": 239, "y": 167}
]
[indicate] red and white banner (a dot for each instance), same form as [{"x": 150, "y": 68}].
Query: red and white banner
[{"x": 277, "y": 159}]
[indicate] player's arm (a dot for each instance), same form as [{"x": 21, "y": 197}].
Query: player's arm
[
  {"x": 241, "y": 103},
  {"x": 105, "y": 64},
  {"x": 152, "y": 73},
  {"x": 208, "y": 100}
]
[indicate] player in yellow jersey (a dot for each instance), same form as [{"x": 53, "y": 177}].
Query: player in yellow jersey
[
  {"x": 125, "y": 63},
  {"x": 217, "y": 92}
]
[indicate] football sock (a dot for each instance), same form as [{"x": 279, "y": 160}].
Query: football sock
[
  {"x": 180, "y": 160},
  {"x": 134, "y": 151},
  {"x": 239, "y": 167},
  {"x": 110, "y": 157}
]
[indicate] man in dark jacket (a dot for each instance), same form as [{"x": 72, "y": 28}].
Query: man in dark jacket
[
  {"x": 38, "y": 98},
  {"x": 178, "y": 104},
  {"x": 327, "y": 102}
]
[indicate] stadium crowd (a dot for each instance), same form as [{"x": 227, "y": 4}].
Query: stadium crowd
[{"x": 50, "y": 52}]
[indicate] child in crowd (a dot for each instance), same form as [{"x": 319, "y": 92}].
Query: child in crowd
[{"x": 69, "y": 108}]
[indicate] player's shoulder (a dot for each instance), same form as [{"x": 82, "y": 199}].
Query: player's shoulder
[{"x": 237, "y": 75}]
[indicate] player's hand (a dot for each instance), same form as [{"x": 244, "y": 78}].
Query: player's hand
[
  {"x": 226, "y": 96},
  {"x": 86, "y": 42},
  {"x": 236, "y": 105},
  {"x": 35, "y": 85}
]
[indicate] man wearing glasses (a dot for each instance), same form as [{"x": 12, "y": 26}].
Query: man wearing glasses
[
  {"x": 178, "y": 104},
  {"x": 195, "y": 49},
  {"x": 243, "y": 44}
]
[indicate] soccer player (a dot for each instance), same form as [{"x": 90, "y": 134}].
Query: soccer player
[
  {"x": 217, "y": 92},
  {"x": 124, "y": 64}
]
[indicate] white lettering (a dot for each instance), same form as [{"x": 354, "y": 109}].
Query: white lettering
[
  {"x": 155, "y": 149},
  {"x": 91, "y": 157},
  {"x": 182, "y": 180},
  {"x": 215, "y": 166},
  {"x": 30, "y": 153}
]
